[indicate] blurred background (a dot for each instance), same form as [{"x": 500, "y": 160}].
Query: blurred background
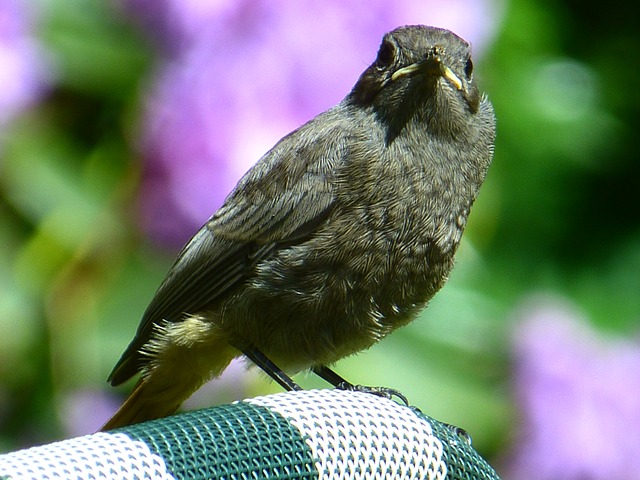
[{"x": 124, "y": 124}]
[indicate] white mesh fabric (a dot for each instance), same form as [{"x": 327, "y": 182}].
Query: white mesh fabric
[
  {"x": 99, "y": 456},
  {"x": 360, "y": 436}
]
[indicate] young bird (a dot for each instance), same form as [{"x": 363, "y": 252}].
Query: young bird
[{"x": 340, "y": 234}]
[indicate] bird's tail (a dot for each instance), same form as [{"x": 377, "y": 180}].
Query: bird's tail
[
  {"x": 144, "y": 404},
  {"x": 177, "y": 373}
]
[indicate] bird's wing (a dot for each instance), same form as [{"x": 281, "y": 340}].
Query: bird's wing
[{"x": 282, "y": 199}]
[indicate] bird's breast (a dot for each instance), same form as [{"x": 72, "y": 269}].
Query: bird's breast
[{"x": 347, "y": 286}]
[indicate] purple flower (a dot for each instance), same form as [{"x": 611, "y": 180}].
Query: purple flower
[
  {"x": 74, "y": 411},
  {"x": 23, "y": 67},
  {"x": 242, "y": 74},
  {"x": 579, "y": 397},
  {"x": 177, "y": 24}
]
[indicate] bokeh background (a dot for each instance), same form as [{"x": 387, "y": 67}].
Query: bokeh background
[{"x": 124, "y": 124}]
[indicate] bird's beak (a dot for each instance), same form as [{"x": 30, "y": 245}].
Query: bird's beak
[
  {"x": 430, "y": 66},
  {"x": 408, "y": 71}
]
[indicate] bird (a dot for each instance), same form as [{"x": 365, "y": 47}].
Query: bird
[{"x": 336, "y": 237}]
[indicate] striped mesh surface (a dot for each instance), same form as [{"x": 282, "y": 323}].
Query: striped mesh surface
[
  {"x": 324, "y": 434},
  {"x": 354, "y": 446}
]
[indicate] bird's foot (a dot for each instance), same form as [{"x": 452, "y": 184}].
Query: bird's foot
[{"x": 383, "y": 392}]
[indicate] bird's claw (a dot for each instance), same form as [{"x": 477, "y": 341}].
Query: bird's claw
[{"x": 383, "y": 392}]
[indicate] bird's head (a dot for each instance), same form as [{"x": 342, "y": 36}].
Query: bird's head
[{"x": 414, "y": 65}]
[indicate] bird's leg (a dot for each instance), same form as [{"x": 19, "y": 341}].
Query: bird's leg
[
  {"x": 332, "y": 377},
  {"x": 270, "y": 368},
  {"x": 337, "y": 381}
]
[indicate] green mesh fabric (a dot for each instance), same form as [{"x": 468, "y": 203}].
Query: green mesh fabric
[
  {"x": 463, "y": 462},
  {"x": 238, "y": 441}
]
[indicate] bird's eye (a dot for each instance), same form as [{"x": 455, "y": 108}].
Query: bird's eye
[
  {"x": 385, "y": 56},
  {"x": 468, "y": 68}
]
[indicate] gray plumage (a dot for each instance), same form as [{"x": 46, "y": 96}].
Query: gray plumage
[{"x": 337, "y": 236}]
